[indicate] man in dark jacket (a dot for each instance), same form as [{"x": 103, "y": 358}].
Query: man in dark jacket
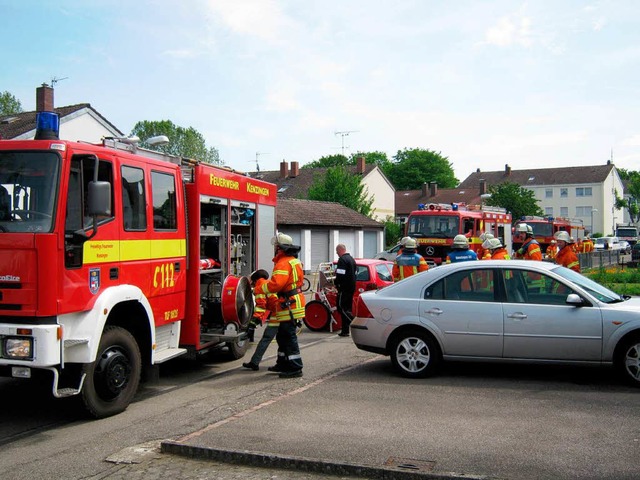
[{"x": 345, "y": 282}]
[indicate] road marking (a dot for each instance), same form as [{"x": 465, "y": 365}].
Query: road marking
[{"x": 262, "y": 405}]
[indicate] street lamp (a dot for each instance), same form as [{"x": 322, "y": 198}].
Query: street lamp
[{"x": 593, "y": 210}]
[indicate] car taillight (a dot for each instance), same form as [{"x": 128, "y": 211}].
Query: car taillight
[
  {"x": 371, "y": 286},
  {"x": 361, "y": 310}
]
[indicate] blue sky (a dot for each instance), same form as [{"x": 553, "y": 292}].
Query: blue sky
[{"x": 533, "y": 84}]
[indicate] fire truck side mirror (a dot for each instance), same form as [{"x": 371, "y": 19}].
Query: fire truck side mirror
[{"x": 99, "y": 199}]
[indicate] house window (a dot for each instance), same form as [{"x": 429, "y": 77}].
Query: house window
[
  {"x": 583, "y": 191},
  {"x": 564, "y": 211},
  {"x": 548, "y": 211},
  {"x": 548, "y": 193},
  {"x": 564, "y": 192},
  {"x": 583, "y": 211}
]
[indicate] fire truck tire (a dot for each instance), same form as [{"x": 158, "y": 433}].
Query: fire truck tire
[
  {"x": 237, "y": 349},
  {"x": 112, "y": 380},
  {"x": 316, "y": 316}
]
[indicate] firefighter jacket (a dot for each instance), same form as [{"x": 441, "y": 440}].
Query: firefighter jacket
[
  {"x": 285, "y": 282},
  {"x": 265, "y": 303},
  {"x": 552, "y": 251},
  {"x": 568, "y": 258},
  {"x": 461, "y": 256},
  {"x": 407, "y": 264},
  {"x": 530, "y": 250},
  {"x": 484, "y": 254},
  {"x": 500, "y": 254}
]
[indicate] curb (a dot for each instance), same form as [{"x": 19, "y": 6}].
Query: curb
[{"x": 264, "y": 460}]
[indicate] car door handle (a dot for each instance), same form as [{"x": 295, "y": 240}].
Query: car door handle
[
  {"x": 517, "y": 316},
  {"x": 434, "y": 311}
]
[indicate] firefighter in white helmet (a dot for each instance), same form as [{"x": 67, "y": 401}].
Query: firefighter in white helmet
[
  {"x": 286, "y": 282},
  {"x": 461, "y": 252},
  {"x": 409, "y": 262},
  {"x": 498, "y": 252},
  {"x": 566, "y": 256},
  {"x": 530, "y": 249}
]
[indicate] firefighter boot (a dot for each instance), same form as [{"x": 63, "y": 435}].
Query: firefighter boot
[{"x": 251, "y": 366}]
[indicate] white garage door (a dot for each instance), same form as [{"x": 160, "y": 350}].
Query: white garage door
[
  {"x": 348, "y": 238},
  {"x": 319, "y": 247},
  {"x": 370, "y": 244}
]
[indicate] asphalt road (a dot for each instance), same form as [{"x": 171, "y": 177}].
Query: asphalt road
[{"x": 350, "y": 407}]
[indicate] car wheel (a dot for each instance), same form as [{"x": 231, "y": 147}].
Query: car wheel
[
  {"x": 414, "y": 354},
  {"x": 316, "y": 316},
  {"x": 628, "y": 360}
]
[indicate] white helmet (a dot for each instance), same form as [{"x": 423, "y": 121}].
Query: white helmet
[
  {"x": 404, "y": 240},
  {"x": 562, "y": 236},
  {"x": 522, "y": 228},
  {"x": 460, "y": 241},
  {"x": 410, "y": 243},
  {"x": 492, "y": 244},
  {"x": 486, "y": 236},
  {"x": 282, "y": 239}
]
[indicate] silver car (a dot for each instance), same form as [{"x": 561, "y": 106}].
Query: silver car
[
  {"x": 504, "y": 310},
  {"x": 390, "y": 254}
]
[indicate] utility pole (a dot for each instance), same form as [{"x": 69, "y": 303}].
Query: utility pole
[{"x": 345, "y": 134}]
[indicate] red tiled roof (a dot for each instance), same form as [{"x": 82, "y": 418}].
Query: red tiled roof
[{"x": 292, "y": 211}]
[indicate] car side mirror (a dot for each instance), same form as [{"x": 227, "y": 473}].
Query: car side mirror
[{"x": 575, "y": 300}]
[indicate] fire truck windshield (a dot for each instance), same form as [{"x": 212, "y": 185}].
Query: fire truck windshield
[
  {"x": 28, "y": 183},
  {"x": 444, "y": 226}
]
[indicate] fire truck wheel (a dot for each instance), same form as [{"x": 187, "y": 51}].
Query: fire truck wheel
[
  {"x": 237, "y": 349},
  {"x": 112, "y": 380}
]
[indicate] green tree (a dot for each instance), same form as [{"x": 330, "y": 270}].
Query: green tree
[
  {"x": 631, "y": 204},
  {"x": 9, "y": 105},
  {"x": 392, "y": 232},
  {"x": 515, "y": 199},
  {"x": 328, "y": 161},
  {"x": 183, "y": 142},
  {"x": 338, "y": 185},
  {"x": 411, "y": 168}
]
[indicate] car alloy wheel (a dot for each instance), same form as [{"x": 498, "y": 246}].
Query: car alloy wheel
[{"x": 414, "y": 354}]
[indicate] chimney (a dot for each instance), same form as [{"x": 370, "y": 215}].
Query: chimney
[
  {"x": 295, "y": 169},
  {"x": 433, "y": 187},
  {"x": 483, "y": 186},
  {"x": 44, "y": 98},
  {"x": 507, "y": 169},
  {"x": 360, "y": 165},
  {"x": 284, "y": 169},
  {"x": 425, "y": 189}
]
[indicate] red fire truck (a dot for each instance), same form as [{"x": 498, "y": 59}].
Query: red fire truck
[
  {"x": 545, "y": 227},
  {"x": 114, "y": 259},
  {"x": 435, "y": 225}
]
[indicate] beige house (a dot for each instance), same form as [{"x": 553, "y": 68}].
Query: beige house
[{"x": 585, "y": 193}]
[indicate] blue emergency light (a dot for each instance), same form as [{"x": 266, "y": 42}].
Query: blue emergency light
[
  {"x": 47, "y": 126},
  {"x": 454, "y": 207}
]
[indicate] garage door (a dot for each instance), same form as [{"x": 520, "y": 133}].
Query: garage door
[
  {"x": 370, "y": 244},
  {"x": 319, "y": 247},
  {"x": 348, "y": 238}
]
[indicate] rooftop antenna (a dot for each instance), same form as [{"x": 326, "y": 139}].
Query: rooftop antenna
[
  {"x": 55, "y": 80},
  {"x": 345, "y": 134},
  {"x": 257, "y": 156}
]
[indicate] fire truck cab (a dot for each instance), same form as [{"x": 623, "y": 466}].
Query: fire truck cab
[
  {"x": 114, "y": 259},
  {"x": 434, "y": 227}
]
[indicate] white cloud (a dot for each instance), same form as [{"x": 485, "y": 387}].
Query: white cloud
[
  {"x": 184, "y": 53},
  {"x": 510, "y": 31}
]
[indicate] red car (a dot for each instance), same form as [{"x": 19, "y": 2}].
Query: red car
[{"x": 321, "y": 313}]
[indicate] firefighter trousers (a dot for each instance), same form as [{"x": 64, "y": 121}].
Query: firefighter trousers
[
  {"x": 268, "y": 335},
  {"x": 289, "y": 358}
]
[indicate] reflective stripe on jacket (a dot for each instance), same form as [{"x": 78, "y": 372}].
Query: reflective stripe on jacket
[
  {"x": 265, "y": 303},
  {"x": 568, "y": 258},
  {"x": 408, "y": 264}
]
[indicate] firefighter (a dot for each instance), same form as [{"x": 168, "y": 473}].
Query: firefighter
[
  {"x": 409, "y": 262},
  {"x": 566, "y": 256},
  {"x": 588, "y": 244},
  {"x": 286, "y": 281},
  {"x": 402, "y": 243},
  {"x": 552, "y": 250},
  {"x": 265, "y": 304},
  {"x": 530, "y": 249},
  {"x": 461, "y": 252},
  {"x": 498, "y": 252},
  {"x": 483, "y": 253}
]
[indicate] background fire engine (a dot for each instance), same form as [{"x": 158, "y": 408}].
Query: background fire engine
[
  {"x": 435, "y": 225},
  {"x": 114, "y": 259},
  {"x": 545, "y": 227}
]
